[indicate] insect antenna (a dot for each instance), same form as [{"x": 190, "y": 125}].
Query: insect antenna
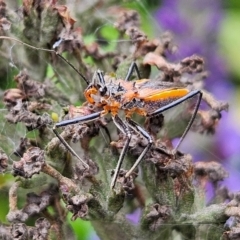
[
  {"x": 47, "y": 50},
  {"x": 72, "y": 66}
]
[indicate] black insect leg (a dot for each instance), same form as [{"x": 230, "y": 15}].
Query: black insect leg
[
  {"x": 126, "y": 131},
  {"x": 177, "y": 102},
  {"x": 130, "y": 71},
  {"x": 83, "y": 119},
  {"x": 145, "y": 134}
]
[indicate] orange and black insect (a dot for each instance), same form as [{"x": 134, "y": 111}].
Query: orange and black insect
[{"x": 144, "y": 96}]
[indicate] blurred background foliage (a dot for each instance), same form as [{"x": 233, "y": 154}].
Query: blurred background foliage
[
  {"x": 229, "y": 39},
  {"x": 224, "y": 43}
]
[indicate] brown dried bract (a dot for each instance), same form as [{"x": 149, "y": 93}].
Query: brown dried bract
[
  {"x": 209, "y": 121},
  {"x": 31, "y": 120},
  {"x": 30, "y": 88},
  {"x": 20, "y": 110},
  {"x": 78, "y": 206},
  {"x": 3, "y": 161},
  {"x": 136, "y": 145},
  {"x": 157, "y": 216},
  {"x": 83, "y": 132},
  {"x": 81, "y": 173},
  {"x": 27, "y": 6},
  {"x": 30, "y": 6},
  {"x": 126, "y": 18},
  {"x": 154, "y": 124},
  {"x": 233, "y": 234},
  {"x": 161, "y": 152},
  {"x": 31, "y": 163},
  {"x": 127, "y": 184},
  {"x": 2, "y": 9},
  {"x": 173, "y": 72},
  {"x": 180, "y": 165},
  {"x": 19, "y": 231},
  {"x": 5, "y": 24},
  {"x": 17, "y": 216},
  {"x": 70, "y": 40},
  {"x": 166, "y": 44},
  {"x": 13, "y": 97},
  {"x": 64, "y": 13},
  {"x": 137, "y": 36},
  {"x": 153, "y": 48},
  {"x": 193, "y": 64},
  {"x": 214, "y": 171},
  {"x": 35, "y": 205},
  {"x": 41, "y": 229}
]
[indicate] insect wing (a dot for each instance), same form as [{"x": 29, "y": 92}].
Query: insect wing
[{"x": 174, "y": 120}]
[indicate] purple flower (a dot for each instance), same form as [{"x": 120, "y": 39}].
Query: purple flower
[
  {"x": 195, "y": 25},
  {"x": 134, "y": 217}
]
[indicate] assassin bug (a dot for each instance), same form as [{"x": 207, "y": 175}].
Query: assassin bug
[{"x": 144, "y": 96}]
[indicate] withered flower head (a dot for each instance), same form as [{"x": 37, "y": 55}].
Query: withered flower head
[{"x": 30, "y": 164}]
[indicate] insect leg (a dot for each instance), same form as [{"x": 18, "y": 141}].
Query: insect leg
[
  {"x": 177, "y": 102},
  {"x": 83, "y": 119},
  {"x": 126, "y": 131},
  {"x": 145, "y": 134},
  {"x": 130, "y": 71}
]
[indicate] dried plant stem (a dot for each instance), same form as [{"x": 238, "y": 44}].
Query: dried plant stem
[
  {"x": 59, "y": 177},
  {"x": 13, "y": 196}
]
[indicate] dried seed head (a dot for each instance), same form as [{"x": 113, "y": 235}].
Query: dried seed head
[
  {"x": 157, "y": 216},
  {"x": 127, "y": 184},
  {"x": 78, "y": 206},
  {"x": 30, "y": 88},
  {"x": 24, "y": 144},
  {"x": 41, "y": 229},
  {"x": 17, "y": 216},
  {"x": 193, "y": 64},
  {"x": 214, "y": 171},
  {"x": 30, "y": 164},
  {"x": 13, "y": 97},
  {"x": 126, "y": 18},
  {"x": 3, "y": 161},
  {"x": 19, "y": 231}
]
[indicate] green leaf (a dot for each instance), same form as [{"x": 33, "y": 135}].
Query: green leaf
[
  {"x": 230, "y": 41},
  {"x": 81, "y": 228}
]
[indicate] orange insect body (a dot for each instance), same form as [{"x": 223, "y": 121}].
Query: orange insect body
[{"x": 141, "y": 96}]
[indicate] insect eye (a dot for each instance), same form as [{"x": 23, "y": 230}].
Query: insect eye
[
  {"x": 120, "y": 88},
  {"x": 103, "y": 90}
]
